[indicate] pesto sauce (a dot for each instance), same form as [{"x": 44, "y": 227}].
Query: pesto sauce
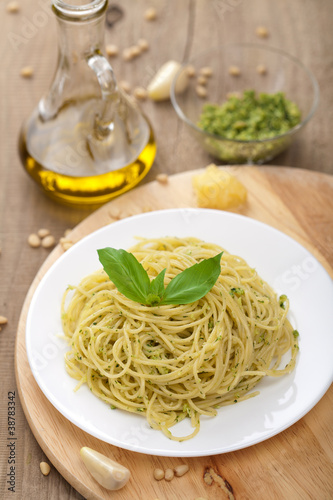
[{"x": 250, "y": 117}]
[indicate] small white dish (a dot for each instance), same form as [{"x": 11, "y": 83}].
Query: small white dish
[{"x": 279, "y": 260}]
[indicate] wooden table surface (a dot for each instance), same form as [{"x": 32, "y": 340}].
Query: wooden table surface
[{"x": 182, "y": 29}]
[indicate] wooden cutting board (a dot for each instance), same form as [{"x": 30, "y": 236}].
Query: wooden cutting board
[{"x": 297, "y": 463}]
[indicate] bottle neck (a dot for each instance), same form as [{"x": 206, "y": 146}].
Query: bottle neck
[
  {"x": 80, "y": 40},
  {"x": 80, "y": 27},
  {"x": 79, "y": 10},
  {"x": 80, "y": 43}
]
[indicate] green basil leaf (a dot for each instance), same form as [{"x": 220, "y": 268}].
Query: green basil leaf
[
  {"x": 126, "y": 273},
  {"x": 157, "y": 284},
  {"x": 193, "y": 283},
  {"x": 156, "y": 290},
  {"x": 131, "y": 279}
]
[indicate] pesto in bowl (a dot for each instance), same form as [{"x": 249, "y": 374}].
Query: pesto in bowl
[
  {"x": 250, "y": 117},
  {"x": 266, "y": 112}
]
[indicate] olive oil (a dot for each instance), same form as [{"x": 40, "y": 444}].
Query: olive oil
[
  {"x": 86, "y": 141},
  {"x": 62, "y": 157}
]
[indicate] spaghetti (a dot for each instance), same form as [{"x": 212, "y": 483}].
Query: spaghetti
[{"x": 170, "y": 362}]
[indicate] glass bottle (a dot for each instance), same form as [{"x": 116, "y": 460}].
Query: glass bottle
[{"x": 87, "y": 141}]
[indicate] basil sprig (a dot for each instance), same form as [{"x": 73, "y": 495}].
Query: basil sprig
[{"x": 132, "y": 280}]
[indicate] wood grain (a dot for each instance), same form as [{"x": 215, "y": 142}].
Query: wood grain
[
  {"x": 282, "y": 458},
  {"x": 183, "y": 28}
]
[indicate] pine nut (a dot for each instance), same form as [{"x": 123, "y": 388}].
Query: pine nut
[
  {"x": 64, "y": 239},
  {"x": 150, "y": 14},
  {"x": 261, "y": 69},
  {"x": 43, "y": 232},
  {"x": 162, "y": 178},
  {"x": 112, "y": 50},
  {"x": 234, "y": 71},
  {"x": 135, "y": 51},
  {"x": 158, "y": 474},
  {"x": 201, "y": 91},
  {"x": 65, "y": 243},
  {"x": 3, "y": 320},
  {"x": 169, "y": 475},
  {"x": 262, "y": 32},
  {"x": 206, "y": 71},
  {"x": 48, "y": 241},
  {"x": 180, "y": 470},
  {"x": 202, "y": 80},
  {"x": 13, "y": 7},
  {"x": 34, "y": 240},
  {"x": 140, "y": 93},
  {"x": 66, "y": 233},
  {"x": 44, "y": 468},
  {"x": 143, "y": 44},
  {"x": 127, "y": 54},
  {"x": 27, "y": 72}
]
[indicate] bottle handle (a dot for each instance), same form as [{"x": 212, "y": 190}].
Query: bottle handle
[{"x": 104, "y": 122}]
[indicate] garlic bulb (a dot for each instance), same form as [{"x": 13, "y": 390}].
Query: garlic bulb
[
  {"x": 107, "y": 473},
  {"x": 159, "y": 87}
]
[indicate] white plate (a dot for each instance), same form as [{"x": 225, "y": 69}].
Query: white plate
[{"x": 280, "y": 260}]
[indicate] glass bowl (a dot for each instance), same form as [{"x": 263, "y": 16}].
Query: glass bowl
[{"x": 284, "y": 73}]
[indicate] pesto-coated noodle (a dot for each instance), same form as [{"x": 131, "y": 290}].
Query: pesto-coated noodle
[{"x": 170, "y": 362}]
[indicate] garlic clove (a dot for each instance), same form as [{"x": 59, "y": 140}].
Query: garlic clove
[
  {"x": 105, "y": 471},
  {"x": 159, "y": 87}
]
